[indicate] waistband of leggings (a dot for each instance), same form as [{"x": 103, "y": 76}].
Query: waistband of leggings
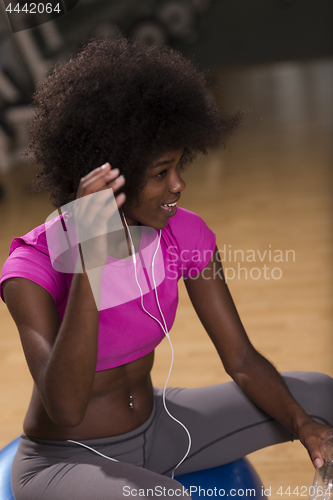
[{"x": 100, "y": 441}]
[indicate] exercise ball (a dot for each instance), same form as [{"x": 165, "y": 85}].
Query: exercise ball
[
  {"x": 7, "y": 455},
  {"x": 237, "y": 480}
]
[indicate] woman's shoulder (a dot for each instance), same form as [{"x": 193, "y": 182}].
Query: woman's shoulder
[
  {"x": 30, "y": 257},
  {"x": 34, "y": 239},
  {"x": 45, "y": 238}
]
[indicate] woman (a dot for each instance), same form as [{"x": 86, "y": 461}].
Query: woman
[{"x": 122, "y": 118}]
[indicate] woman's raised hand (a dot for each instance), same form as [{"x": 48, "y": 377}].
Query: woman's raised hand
[{"x": 96, "y": 211}]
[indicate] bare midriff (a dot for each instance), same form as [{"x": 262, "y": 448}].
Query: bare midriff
[{"x": 121, "y": 400}]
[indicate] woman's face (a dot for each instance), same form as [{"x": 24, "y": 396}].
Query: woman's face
[{"x": 163, "y": 188}]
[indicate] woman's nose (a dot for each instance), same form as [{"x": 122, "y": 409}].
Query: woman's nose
[{"x": 177, "y": 184}]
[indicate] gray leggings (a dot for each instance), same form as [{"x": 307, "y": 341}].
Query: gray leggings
[{"x": 223, "y": 423}]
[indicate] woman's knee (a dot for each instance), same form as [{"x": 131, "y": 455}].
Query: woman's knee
[{"x": 314, "y": 392}]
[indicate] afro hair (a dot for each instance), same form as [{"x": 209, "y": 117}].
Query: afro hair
[{"x": 125, "y": 103}]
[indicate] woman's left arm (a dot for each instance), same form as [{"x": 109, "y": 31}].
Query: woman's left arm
[{"x": 253, "y": 373}]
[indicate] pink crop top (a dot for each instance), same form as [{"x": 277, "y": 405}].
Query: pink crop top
[{"x": 126, "y": 332}]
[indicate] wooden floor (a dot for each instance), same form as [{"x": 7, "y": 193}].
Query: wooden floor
[{"x": 268, "y": 198}]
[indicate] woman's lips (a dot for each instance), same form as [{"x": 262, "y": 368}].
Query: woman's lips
[{"x": 170, "y": 208}]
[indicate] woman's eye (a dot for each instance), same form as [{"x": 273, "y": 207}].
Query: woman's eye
[{"x": 161, "y": 174}]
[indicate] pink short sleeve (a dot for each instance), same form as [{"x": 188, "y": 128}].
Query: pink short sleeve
[{"x": 26, "y": 261}]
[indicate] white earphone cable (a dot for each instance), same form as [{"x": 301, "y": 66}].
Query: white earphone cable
[
  {"x": 92, "y": 449},
  {"x": 166, "y": 332}
]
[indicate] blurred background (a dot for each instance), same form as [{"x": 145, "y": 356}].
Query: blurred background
[{"x": 267, "y": 196}]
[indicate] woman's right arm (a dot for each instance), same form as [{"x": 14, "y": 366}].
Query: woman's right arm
[{"x": 61, "y": 355}]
